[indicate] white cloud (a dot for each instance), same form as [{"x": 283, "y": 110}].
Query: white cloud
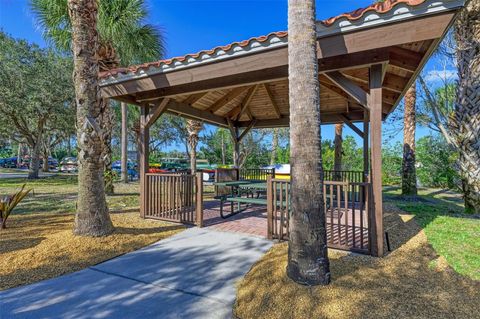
[{"x": 440, "y": 76}]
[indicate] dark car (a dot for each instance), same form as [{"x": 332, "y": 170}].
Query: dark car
[
  {"x": 10, "y": 162},
  {"x": 69, "y": 165},
  {"x": 131, "y": 168}
]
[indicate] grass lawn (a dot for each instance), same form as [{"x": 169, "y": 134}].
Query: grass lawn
[
  {"x": 432, "y": 271},
  {"x": 38, "y": 242}
]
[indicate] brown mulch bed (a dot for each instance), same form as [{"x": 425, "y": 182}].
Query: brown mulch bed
[
  {"x": 40, "y": 246},
  {"x": 410, "y": 282}
]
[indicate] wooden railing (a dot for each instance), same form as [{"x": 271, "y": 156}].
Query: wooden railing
[
  {"x": 174, "y": 197},
  {"x": 343, "y": 176},
  {"x": 346, "y": 219}
]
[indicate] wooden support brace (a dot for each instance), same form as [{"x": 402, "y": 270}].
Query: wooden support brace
[
  {"x": 247, "y": 129},
  {"x": 347, "y": 121},
  {"x": 159, "y": 108},
  {"x": 349, "y": 87}
]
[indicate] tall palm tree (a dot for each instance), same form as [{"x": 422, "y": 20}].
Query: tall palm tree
[
  {"x": 466, "y": 117},
  {"x": 124, "y": 38},
  {"x": 337, "y": 163},
  {"x": 409, "y": 176},
  {"x": 92, "y": 218},
  {"x": 193, "y": 128},
  {"x": 307, "y": 248}
]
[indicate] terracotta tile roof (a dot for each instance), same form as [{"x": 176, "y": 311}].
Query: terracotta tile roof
[{"x": 379, "y": 7}]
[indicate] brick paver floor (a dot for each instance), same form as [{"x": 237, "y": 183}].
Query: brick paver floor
[{"x": 251, "y": 221}]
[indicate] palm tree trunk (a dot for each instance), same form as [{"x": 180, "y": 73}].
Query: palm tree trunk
[
  {"x": 108, "y": 121},
  {"x": 337, "y": 163},
  {"x": 124, "y": 156},
  {"x": 193, "y": 128},
  {"x": 307, "y": 248},
  {"x": 92, "y": 217},
  {"x": 466, "y": 118},
  {"x": 409, "y": 176},
  {"x": 273, "y": 157}
]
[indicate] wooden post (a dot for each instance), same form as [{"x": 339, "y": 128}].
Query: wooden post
[
  {"x": 199, "y": 199},
  {"x": 143, "y": 165},
  {"x": 269, "y": 208},
  {"x": 375, "y": 106},
  {"x": 124, "y": 168},
  {"x": 366, "y": 160}
]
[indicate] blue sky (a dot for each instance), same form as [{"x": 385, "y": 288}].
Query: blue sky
[{"x": 193, "y": 25}]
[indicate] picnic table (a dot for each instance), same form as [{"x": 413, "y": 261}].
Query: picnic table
[{"x": 239, "y": 188}]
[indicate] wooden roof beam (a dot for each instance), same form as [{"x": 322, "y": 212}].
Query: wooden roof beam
[
  {"x": 227, "y": 98},
  {"x": 349, "y": 87},
  {"x": 272, "y": 101}
]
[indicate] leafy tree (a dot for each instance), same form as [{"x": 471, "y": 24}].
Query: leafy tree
[
  {"x": 36, "y": 95},
  {"x": 391, "y": 164},
  {"x": 437, "y": 163}
]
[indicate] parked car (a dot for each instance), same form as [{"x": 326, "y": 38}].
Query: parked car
[
  {"x": 69, "y": 165},
  {"x": 10, "y": 162},
  {"x": 131, "y": 168}
]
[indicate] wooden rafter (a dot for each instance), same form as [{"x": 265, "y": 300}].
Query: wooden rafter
[
  {"x": 272, "y": 100},
  {"x": 194, "y": 98},
  {"x": 227, "y": 98},
  {"x": 349, "y": 87},
  {"x": 159, "y": 108},
  {"x": 405, "y": 59},
  {"x": 244, "y": 106}
]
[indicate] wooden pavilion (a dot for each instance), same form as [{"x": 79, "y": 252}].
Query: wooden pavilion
[{"x": 367, "y": 59}]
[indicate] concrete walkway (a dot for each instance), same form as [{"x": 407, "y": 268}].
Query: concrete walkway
[{"x": 189, "y": 275}]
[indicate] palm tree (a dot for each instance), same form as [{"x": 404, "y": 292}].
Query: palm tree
[
  {"x": 307, "y": 248},
  {"x": 466, "y": 117},
  {"x": 92, "y": 218},
  {"x": 124, "y": 39},
  {"x": 409, "y": 176},
  {"x": 193, "y": 128},
  {"x": 337, "y": 163}
]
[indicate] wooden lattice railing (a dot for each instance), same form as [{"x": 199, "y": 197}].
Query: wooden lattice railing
[{"x": 346, "y": 218}]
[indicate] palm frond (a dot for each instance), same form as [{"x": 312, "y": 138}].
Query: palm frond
[{"x": 53, "y": 20}]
